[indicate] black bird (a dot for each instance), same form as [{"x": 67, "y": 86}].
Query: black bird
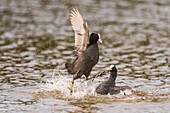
[
  {"x": 86, "y": 48},
  {"x": 109, "y": 86}
]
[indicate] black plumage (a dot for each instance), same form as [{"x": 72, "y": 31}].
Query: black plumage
[
  {"x": 86, "y": 48},
  {"x": 109, "y": 86}
]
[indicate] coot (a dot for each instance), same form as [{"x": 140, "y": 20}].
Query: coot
[
  {"x": 86, "y": 48},
  {"x": 109, "y": 86}
]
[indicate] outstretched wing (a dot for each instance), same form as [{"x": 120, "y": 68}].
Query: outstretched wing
[{"x": 80, "y": 29}]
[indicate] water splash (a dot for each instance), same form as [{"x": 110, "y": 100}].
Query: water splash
[
  {"x": 62, "y": 83},
  {"x": 58, "y": 87}
]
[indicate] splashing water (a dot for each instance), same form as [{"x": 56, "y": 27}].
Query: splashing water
[
  {"x": 58, "y": 87},
  {"x": 62, "y": 83}
]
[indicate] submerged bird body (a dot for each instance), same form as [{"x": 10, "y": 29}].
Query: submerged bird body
[
  {"x": 105, "y": 87},
  {"x": 109, "y": 86},
  {"x": 86, "y": 48}
]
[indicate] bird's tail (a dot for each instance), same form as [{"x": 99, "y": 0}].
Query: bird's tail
[{"x": 68, "y": 65}]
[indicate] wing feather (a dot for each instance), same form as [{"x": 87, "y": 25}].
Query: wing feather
[{"x": 80, "y": 28}]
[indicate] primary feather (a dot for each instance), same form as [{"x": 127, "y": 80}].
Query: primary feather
[{"x": 80, "y": 29}]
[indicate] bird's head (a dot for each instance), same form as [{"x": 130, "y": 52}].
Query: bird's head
[
  {"x": 94, "y": 37},
  {"x": 113, "y": 70}
]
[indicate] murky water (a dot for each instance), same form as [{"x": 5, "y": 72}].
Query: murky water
[{"x": 36, "y": 39}]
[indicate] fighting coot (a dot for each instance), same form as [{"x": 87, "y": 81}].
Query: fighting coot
[
  {"x": 109, "y": 86},
  {"x": 86, "y": 48}
]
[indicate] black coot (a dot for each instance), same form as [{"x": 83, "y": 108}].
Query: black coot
[
  {"x": 86, "y": 48},
  {"x": 109, "y": 86}
]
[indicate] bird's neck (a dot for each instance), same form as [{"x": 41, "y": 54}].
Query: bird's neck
[
  {"x": 113, "y": 76},
  {"x": 94, "y": 43}
]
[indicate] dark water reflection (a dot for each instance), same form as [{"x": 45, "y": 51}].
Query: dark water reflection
[{"x": 36, "y": 37}]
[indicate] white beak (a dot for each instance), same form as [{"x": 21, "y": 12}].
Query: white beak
[
  {"x": 100, "y": 40},
  {"x": 110, "y": 67}
]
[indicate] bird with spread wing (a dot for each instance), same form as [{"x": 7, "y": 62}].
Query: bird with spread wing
[{"x": 86, "y": 48}]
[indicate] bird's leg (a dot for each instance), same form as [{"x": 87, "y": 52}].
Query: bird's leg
[
  {"x": 71, "y": 86},
  {"x": 89, "y": 78},
  {"x": 96, "y": 75}
]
